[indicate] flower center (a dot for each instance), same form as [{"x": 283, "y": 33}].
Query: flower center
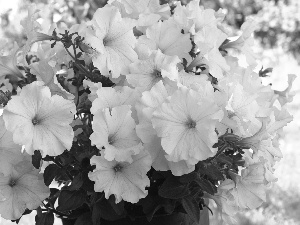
[
  {"x": 191, "y": 124},
  {"x": 12, "y": 182},
  {"x": 106, "y": 41},
  {"x": 111, "y": 140},
  {"x": 117, "y": 168},
  {"x": 230, "y": 114},
  {"x": 157, "y": 74},
  {"x": 35, "y": 121}
]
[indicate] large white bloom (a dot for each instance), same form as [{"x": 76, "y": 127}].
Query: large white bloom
[
  {"x": 250, "y": 191},
  {"x": 146, "y": 73},
  {"x": 113, "y": 40},
  {"x": 114, "y": 130},
  {"x": 186, "y": 125},
  {"x": 150, "y": 101},
  {"x": 40, "y": 121},
  {"x": 167, "y": 37},
  {"x": 23, "y": 188},
  {"x": 125, "y": 180}
]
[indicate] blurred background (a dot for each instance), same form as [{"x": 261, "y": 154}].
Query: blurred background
[{"x": 277, "y": 45}]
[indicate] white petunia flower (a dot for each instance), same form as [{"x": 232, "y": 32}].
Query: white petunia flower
[
  {"x": 146, "y": 73},
  {"x": 114, "y": 130},
  {"x": 202, "y": 18},
  {"x": 113, "y": 41},
  {"x": 8, "y": 64},
  {"x": 186, "y": 125},
  {"x": 125, "y": 180},
  {"x": 40, "y": 121},
  {"x": 150, "y": 101},
  {"x": 10, "y": 153},
  {"x": 109, "y": 97},
  {"x": 245, "y": 42},
  {"x": 146, "y": 12},
  {"x": 208, "y": 41},
  {"x": 167, "y": 37},
  {"x": 44, "y": 72},
  {"x": 22, "y": 189},
  {"x": 250, "y": 191}
]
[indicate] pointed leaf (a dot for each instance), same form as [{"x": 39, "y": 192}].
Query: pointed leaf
[
  {"x": 211, "y": 171},
  {"x": 206, "y": 185},
  {"x": 76, "y": 183},
  {"x": 173, "y": 189},
  {"x": 69, "y": 200},
  {"x": 191, "y": 206},
  {"x": 84, "y": 219},
  {"x": 36, "y": 159},
  {"x": 44, "y": 219},
  {"x": 50, "y": 173},
  {"x": 222, "y": 158}
]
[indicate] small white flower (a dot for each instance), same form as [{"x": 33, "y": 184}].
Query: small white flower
[
  {"x": 114, "y": 130},
  {"x": 113, "y": 40},
  {"x": 125, "y": 180}
]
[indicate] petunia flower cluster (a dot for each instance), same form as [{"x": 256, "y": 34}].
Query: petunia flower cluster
[{"x": 177, "y": 93}]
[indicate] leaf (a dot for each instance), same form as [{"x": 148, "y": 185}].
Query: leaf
[
  {"x": 206, "y": 185},
  {"x": 96, "y": 215},
  {"x": 222, "y": 158},
  {"x": 105, "y": 210},
  {"x": 191, "y": 206},
  {"x": 44, "y": 219},
  {"x": 69, "y": 200},
  {"x": 153, "y": 203},
  {"x": 50, "y": 173},
  {"x": 87, "y": 185},
  {"x": 119, "y": 208},
  {"x": 79, "y": 54},
  {"x": 211, "y": 171},
  {"x": 84, "y": 219},
  {"x": 53, "y": 195},
  {"x": 36, "y": 159},
  {"x": 76, "y": 183},
  {"x": 187, "y": 178},
  {"x": 173, "y": 189}
]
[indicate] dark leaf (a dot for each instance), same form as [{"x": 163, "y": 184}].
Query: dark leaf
[
  {"x": 173, "y": 189},
  {"x": 222, "y": 158},
  {"x": 54, "y": 192},
  {"x": 50, "y": 173},
  {"x": 187, "y": 178},
  {"x": 53, "y": 44},
  {"x": 79, "y": 54},
  {"x": 44, "y": 219},
  {"x": 119, "y": 208},
  {"x": 191, "y": 206},
  {"x": 153, "y": 203},
  {"x": 87, "y": 185},
  {"x": 48, "y": 158},
  {"x": 76, "y": 183},
  {"x": 206, "y": 185},
  {"x": 105, "y": 210},
  {"x": 211, "y": 171},
  {"x": 69, "y": 200},
  {"x": 36, "y": 159},
  {"x": 96, "y": 214},
  {"x": 85, "y": 219}
]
